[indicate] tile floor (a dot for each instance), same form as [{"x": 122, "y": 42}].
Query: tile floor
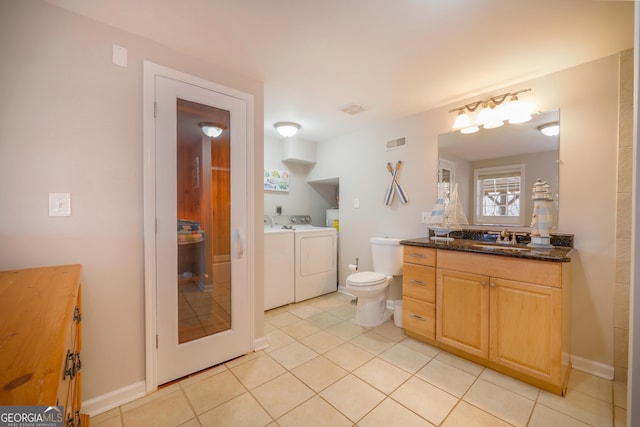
[{"x": 321, "y": 369}]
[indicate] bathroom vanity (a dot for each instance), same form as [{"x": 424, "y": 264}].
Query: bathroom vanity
[{"x": 507, "y": 307}]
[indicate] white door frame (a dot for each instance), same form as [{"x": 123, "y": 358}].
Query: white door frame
[{"x": 150, "y": 71}]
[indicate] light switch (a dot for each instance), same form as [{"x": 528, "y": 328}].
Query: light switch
[
  {"x": 59, "y": 204},
  {"x": 356, "y": 203},
  {"x": 120, "y": 55}
]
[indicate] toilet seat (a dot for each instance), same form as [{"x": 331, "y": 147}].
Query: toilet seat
[{"x": 366, "y": 278}]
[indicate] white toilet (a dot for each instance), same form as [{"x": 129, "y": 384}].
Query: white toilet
[{"x": 372, "y": 288}]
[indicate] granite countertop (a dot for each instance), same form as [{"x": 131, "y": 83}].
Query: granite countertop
[{"x": 556, "y": 254}]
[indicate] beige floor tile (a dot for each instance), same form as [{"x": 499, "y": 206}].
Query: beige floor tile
[
  {"x": 424, "y": 399},
  {"x": 578, "y": 405},
  {"x": 391, "y": 413},
  {"x": 466, "y": 415},
  {"x": 460, "y": 363},
  {"x": 502, "y": 403},
  {"x": 258, "y": 371},
  {"x": 304, "y": 311},
  {"x": 243, "y": 411},
  {"x": 324, "y": 320},
  {"x": 382, "y": 375},
  {"x": 547, "y": 417},
  {"x": 446, "y": 377},
  {"x": 523, "y": 389},
  {"x": 372, "y": 342},
  {"x": 315, "y": 412},
  {"x": 281, "y": 319},
  {"x": 213, "y": 391},
  {"x": 300, "y": 329},
  {"x": 170, "y": 409},
  {"x": 322, "y": 341},
  {"x": 158, "y": 394},
  {"x": 277, "y": 339},
  {"x": 591, "y": 385},
  {"x": 349, "y": 356},
  {"x": 353, "y": 397},
  {"x": 345, "y": 312},
  {"x": 293, "y": 355},
  {"x": 390, "y": 330},
  {"x": 244, "y": 359},
  {"x": 281, "y": 394},
  {"x": 420, "y": 347},
  {"x": 319, "y": 373},
  {"x": 111, "y": 418},
  {"x": 346, "y": 330},
  {"x": 191, "y": 423},
  {"x": 405, "y": 358},
  {"x": 194, "y": 378}
]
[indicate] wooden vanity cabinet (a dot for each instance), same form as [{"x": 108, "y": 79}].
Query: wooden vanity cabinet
[
  {"x": 41, "y": 339},
  {"x": 510, "y": 314},
  {"x": 419, "y": 293}
]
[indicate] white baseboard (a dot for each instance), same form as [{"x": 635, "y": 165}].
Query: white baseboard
[
  {"x": 260, "y": 343},
  {"x": 592, "y": 367},
  {"x": 113, "y": 399}
]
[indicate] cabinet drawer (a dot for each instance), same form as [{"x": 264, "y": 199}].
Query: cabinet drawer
[
  {"x": 419, "y": 255},
  {"x": 419, "y": 317},
  {"x": 419, "y": 282}
]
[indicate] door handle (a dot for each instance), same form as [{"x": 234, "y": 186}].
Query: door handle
[{"x": 240, "y": 242}]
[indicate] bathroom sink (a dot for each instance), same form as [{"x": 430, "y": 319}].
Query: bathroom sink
[{"x": 498, "y": 247}]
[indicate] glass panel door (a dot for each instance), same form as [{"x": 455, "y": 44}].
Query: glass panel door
[{"x": 203, "y": 212}]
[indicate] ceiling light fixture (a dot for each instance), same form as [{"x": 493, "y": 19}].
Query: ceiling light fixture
[
  {"x": 212, "y": 130},
  {"x": 492, "y": 114},
  {"x": 287, "y": 129},
  {"x": 550, "y": 129}
]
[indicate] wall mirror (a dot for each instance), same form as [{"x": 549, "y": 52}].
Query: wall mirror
[{"x": 495, "y": 169}]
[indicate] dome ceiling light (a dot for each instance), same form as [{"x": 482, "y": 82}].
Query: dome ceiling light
[
  {"x": 212, "y": 130},
  {"x": 287, "y": 129}
]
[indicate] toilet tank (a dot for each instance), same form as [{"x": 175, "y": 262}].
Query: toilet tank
[{"x": 386, "y": 253}]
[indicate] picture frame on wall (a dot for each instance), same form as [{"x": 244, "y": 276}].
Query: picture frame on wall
[{"x": 276, "y": 180}]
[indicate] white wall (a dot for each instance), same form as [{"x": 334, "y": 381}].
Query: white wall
[
  {"x": 587, "y": 98},
  {"x": 71, "y": 121}
]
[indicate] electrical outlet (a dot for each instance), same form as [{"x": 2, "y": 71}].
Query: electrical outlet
[
  {"x": 59, "y": 204},
  {"x": 356, "y": 203},
  {"x": 425, "y": 217}
]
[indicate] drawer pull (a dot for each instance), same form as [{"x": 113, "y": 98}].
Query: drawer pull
[
  {"x": 77, "y": 317},
  {"x": 492, "y": 285},
  {"x": 417, "y": 317},
  {"x": 417, "y": 255},
  {"x": 417, "y": 282}
]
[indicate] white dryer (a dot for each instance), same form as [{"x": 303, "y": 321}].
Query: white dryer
[{"x": 316, "y": 271}]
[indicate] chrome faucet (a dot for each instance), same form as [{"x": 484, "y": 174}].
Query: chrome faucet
[
  {"x": 503, "y": 237},
  {"x": 268, "y": 219}
]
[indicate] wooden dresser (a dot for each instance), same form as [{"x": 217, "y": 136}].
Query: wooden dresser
[{"x": 40, "y": 339}]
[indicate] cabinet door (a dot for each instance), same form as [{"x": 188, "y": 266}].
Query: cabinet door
[
  {"x": 526, "y": 328},
  {"x": 462, "y": 311}
]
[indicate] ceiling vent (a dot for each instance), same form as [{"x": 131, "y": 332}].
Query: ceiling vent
[
  {"x": 396, "y": 143},
  {"x": 353, "y": 109}
]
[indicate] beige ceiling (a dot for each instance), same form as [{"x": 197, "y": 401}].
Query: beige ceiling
[{"x": 395, "y": 57}]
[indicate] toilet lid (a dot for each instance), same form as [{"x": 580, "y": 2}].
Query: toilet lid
[{"x": 366, "y": 278}]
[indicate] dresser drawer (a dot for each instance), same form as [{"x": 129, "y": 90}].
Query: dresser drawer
[
  {"x": 419, "y": 255},
  {"x": 419, "y": 317},
  {"x": 419, "y": 282}
]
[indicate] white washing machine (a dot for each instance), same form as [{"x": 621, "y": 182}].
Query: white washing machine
[
  {"x": 315, "y": 259},
  {"x": 278, "y": 268}
]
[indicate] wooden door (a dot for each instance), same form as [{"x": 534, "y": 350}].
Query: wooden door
[
  {"x": 462, "y": 307},
  {"x": 526, "y": 333}
]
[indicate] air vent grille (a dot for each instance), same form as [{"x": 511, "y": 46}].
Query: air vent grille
[
  {"x": 396, "y": 143},
  {"x": 353, "y": 109}
]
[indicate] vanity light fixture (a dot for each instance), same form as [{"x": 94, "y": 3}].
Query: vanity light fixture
[
  {"x": 493, "y": 114},
  {"x": 212, "y": 130},
  {"x": 550, "y": 129},
  {"x": 287, "y": 129}
]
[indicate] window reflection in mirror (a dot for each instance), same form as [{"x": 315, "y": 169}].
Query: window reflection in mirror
[{"x": 507, "y": 146}]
